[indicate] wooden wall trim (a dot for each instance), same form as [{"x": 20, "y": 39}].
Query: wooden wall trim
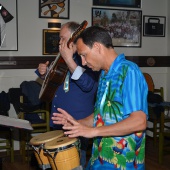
[
  {"x": 150, "y": 61},
  {"x": 23, "y": 62},
  {"x": 30, "y": 62}
]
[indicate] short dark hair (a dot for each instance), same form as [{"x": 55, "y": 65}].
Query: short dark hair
[{"x": 95, "y": 34}]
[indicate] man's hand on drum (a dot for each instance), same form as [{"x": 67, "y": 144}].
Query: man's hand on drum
[
  {"x": 73, "y": 127},
  {"x": 62, "y": 119}
]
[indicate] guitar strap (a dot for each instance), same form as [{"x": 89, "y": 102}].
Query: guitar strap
[{"x": 66, "y": 82}]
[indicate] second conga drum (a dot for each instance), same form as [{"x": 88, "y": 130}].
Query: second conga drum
[
  {"x": 37, "y": 143},
  {"x": 63, "y": 153}
]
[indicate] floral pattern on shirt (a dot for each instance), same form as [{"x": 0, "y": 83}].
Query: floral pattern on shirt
[{"x": 126, "y": 152}]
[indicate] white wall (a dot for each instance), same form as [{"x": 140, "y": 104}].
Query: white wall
[
  {"x": 30, "y": 27},
  {"x": 168, "y": 49}
]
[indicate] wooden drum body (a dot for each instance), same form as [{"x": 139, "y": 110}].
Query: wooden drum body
[
  {"x": 63, "y": 153},
  {"x": 38, "y": 142}
]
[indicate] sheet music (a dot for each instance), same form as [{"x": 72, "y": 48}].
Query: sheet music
[{"x": 14, "y": 122}]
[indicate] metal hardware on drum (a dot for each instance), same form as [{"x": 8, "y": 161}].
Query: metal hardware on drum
[
  {"x": 77, "y": 145},
  {"x": 78, "y": 168},
  {"x": 63, "y": 153},
  {"x": 38, "y": 142},
  {"x": 38, "y": 151}
]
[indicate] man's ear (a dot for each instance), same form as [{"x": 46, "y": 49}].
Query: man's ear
[
  {"x": 97, "y": 46},
  {"x": 71, "y": 45}
]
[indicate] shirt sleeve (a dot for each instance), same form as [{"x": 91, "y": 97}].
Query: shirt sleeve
[
  {"x": 37, "y": 73},
  {"x": 135, "y": 93},
  {"x": 86, "y": 79},
  {"x": 77, "y": 73}
]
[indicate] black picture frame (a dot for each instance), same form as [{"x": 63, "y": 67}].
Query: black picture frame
[
  {"x": 59, "y": 9},
  {"x": 124, "y": 26},
  {"x": 9, "y": 25},
  {"x": 50, "y": 42},
  {"x": 118, "y": 3},
  {"x": 154, "y": 26}
]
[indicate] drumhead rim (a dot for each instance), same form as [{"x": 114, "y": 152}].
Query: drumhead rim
[
  {"x": 46, "y": 137},
  {"x": 53, "y": 143}
]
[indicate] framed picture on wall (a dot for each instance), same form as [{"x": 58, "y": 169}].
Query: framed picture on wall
[
  {"x": 154, "y": 26},
  {"x": 9, "y": 25},
  {"x": 118, "y": 3},
  {"x": 124, "y": 26},
  {"x": 50, "y": 42},
  {"x": 54, "y": 9}
]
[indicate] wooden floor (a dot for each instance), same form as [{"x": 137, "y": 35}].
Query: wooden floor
[{"x": 151, "y": 160}]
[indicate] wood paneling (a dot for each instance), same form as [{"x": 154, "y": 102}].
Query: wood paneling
[
  {"x": 30, "y": 62},
  {"x": 24, "y": 62},
  {"x": 150, "y": 61}
]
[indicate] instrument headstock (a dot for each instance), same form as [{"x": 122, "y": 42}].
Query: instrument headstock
[{"x": 82, "y": 26}]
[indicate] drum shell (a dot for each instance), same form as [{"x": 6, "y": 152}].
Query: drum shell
[
  {"x": 64, "y": 156},
  {"x": 41, "y": 157},
  {"x": 37, "y": 143}
]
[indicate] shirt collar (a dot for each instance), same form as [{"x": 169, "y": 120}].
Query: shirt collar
[{"x": 115, "y": 65}]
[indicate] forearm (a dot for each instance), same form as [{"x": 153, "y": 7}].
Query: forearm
[
  {"x": 136, "y": 122},
  {"x": 71, "y": 65},
  {"x": 67, "y": 56},
  {"x": 88, "y": 121}
]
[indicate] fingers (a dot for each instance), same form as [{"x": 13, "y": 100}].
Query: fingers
[
  {"x": 72, "y": 121},
  {"x": 62, "y": 118},
  {"x": 58, "y": 118},
  {"x": 73, "y": 127},
  {"x": 65, "y": 50},
  {"x": 66, "y": 117},
  {"x": 42, "y": 68},
  {"x": 47, "y": 63},
  {"x": 71, "y": 131},
  {"x": 64, "y": 113}
]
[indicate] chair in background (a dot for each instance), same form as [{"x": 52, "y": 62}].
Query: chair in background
[
  {"x": 164, "y": 135},
  {"x": 39, "y": 120},
  {"x": 154, "y": 112},
  {"x": 6, "y": 133},
  {"x": 38, "y": 117},
  {"x": 7, "y": 142},
  {"x": 28, "y": 106}
]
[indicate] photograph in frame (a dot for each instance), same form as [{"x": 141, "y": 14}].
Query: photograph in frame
[
  {"x": 8, "y": 25},
  {"x": 124, "y": 26},
  {"x": 59, "y": 9},
  {"x": 154, "y": 26},
  {"x": 51, "y": 40},
  {"x": 118, "y": 3}
]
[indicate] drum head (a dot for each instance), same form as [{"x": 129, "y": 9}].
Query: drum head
[
  {"x": 60, "y": 142},
  {"x": 46, "y": 137}
]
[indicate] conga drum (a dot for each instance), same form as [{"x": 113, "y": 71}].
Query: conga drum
[
  {"x": 37, "y": 143},
  {"x": 63, "y": 153}
]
